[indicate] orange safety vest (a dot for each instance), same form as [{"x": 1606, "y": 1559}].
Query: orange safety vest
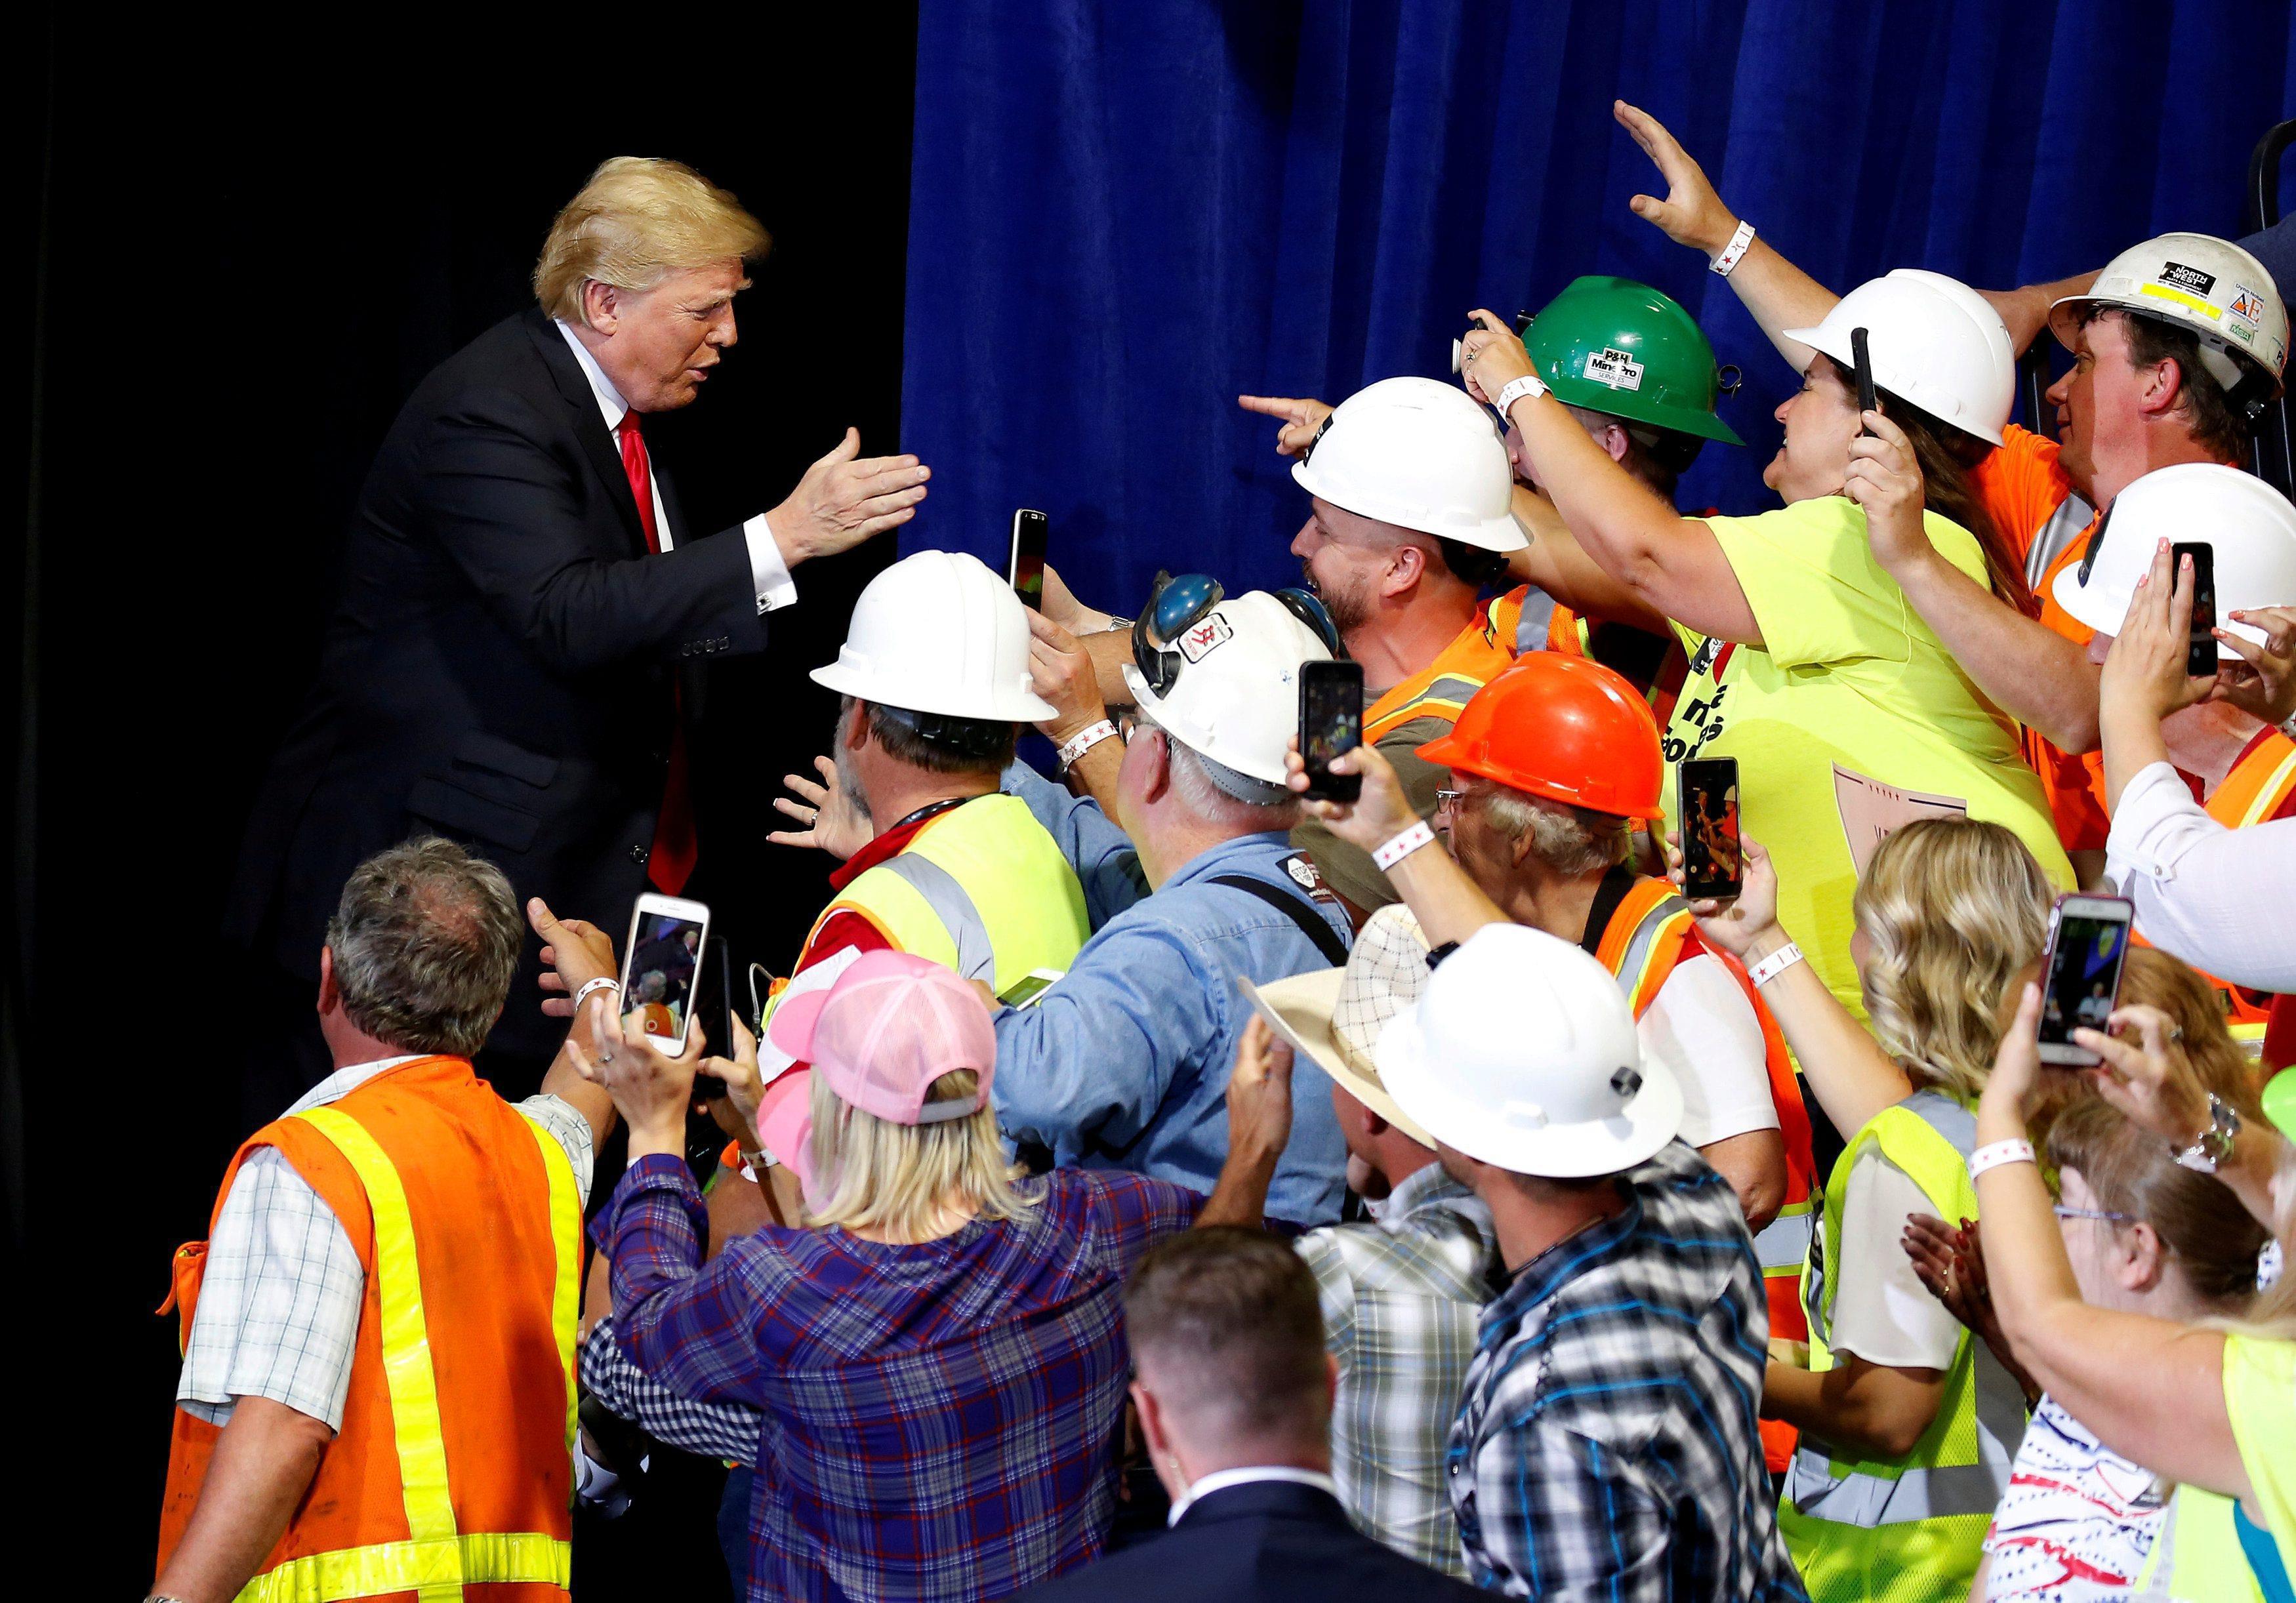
[
  {"x": 1477, "y": 654},
  {"x": 2257, "y": 787},
  {"x": 1649, "y": 933},
  {"x": 453, "y": 1465}
]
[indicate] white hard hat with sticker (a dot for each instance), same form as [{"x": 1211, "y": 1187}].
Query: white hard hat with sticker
[{"x": 2208, "y": 286}]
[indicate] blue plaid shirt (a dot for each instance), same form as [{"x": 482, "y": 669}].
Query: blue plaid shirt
[
  {"x": 934, "y": 1421},
  {"x": 1606, "y": 1444}
]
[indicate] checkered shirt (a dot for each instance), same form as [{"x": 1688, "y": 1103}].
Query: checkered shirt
[
  {"x": 1606, "y": 1444},
  {"x": 938, "y": 1420},
  {"x": 281, "y": 1287},
  {"x": 1401, "y": 1300}
]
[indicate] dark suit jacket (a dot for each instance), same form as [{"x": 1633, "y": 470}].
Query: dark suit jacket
[
  {"x": 502, "y": 664},
  {"x": 1259, "y": 1542}
]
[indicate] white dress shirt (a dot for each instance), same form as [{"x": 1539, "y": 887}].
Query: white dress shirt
[
  {"x": 2208, "y": 895},
  {"x": 281, "y": 1292},
  {"x": 767, "y": 571},
  {"x": 1220, "y": 1480}
]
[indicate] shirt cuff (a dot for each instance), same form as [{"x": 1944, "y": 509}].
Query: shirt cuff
[
  {"x": 2157, "y": 821},
  {"x": 767, "y": 571}
]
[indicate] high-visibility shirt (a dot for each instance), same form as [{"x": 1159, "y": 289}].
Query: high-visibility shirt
[
  {"x": 1907, "y": 1529},
  {"x": 454, "y": 1464},
  {"x": 1645, "y": 937},
  {"x": 2202, "y": 1554}
]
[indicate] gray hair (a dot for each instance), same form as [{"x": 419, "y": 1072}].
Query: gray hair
[
  {"x": 425, "y": 941},
  {"x": 1572, "y": 841},
  {"x": 1214, "y": 791}
]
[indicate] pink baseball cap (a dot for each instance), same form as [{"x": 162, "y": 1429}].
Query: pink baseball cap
[
  {"x": 785, "y": 1124},
  {"x": 891, "y": 1025}
]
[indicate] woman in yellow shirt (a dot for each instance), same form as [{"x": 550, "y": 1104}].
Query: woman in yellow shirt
[{"x": 1805, "y": 656}]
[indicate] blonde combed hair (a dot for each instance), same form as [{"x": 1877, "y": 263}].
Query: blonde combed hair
[
  {"x": 1953, "y": 909},
  {"x": 871, "y": 1174},
  {"x": 638, "y": 220}
]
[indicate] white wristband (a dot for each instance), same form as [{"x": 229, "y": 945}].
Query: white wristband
[
  {"x": 1784, "y": 958},
  {"x": 1734, "y": 252},
  {"x": 602, "y": 983},
  {"x": 1530, "y": 386},
  {"x": 1999, "y": 1153},
  {"x": 1402, "y": 846},
  {"x": 1084, "y": 741}
]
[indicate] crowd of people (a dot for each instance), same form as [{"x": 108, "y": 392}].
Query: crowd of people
[{"x": 1423, "y": 1190}]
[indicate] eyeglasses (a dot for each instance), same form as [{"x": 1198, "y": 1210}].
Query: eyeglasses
[
  {"x": 1447, "y": 801},
  {"x": 2062, "y": 1212}
]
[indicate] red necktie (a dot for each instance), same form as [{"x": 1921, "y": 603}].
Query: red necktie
[{"x": 671, "y": 860}]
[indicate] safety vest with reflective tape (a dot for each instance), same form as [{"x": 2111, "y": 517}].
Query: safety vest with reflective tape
[
  {"x": 1911, "y": 1528},
  {"x": 1648, "y": 934},
  {"x": 2257, "y": 786},
  {"x": 2197, "y": 1556},
  {"x": 454, "y": 1464},
  {"x": 982, "y": 888},
  {"x": 1477, "y": 654}
]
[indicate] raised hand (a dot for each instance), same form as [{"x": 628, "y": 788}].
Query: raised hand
[
  {"x": 1063, "y": 673},
  {"x": 1737, "y": 925},
  {"x": 2145, "y": 668},
  {"x": 2263, "y": 682},
  {"x": 831, "y": 821},
  {"x": 1378, "y": 815},
  {"x": 1300, "y": 415},
  {"x": 844, "y": 498},
  {"x": 2149, "y": 1081},
  {"x": 1491, "y": 357},
  {"x": 1260, "y": 1092},
  {"x": 1691, "y": 214},
  {"x": 651, "y": 1089},
  {"x": 1884, "y": 478},
  {"x": 574, "y": 952}
]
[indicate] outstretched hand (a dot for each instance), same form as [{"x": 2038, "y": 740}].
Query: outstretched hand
[
  {"x": 831, "y": 820},
  {"x": 1691, "y": 213},
  {"x": 844, "y": 498},
  {"x": 2263, "y": 682},
  {"x": 574, "y": 952}
]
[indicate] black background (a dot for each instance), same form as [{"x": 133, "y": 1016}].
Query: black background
[{"x": 247, "y": 245}]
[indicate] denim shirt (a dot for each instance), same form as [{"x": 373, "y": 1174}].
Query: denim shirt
[{"x": 1123, "y": 1063}]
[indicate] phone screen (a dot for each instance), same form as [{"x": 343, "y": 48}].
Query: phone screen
[
  {"x": 720, "y": 1019},
  {"x": 1331, "y": 723},
  {"x": 1712, "y": 863},
  {"x": 1026, "y": 571},
  {"x": 2083, "y": 983},
  {"x": 2201, "y": 652},
  {"x": 1028, "y": 988},
  {"x": 658, "y": 985},
  {"x": 1866, "y": 400}
]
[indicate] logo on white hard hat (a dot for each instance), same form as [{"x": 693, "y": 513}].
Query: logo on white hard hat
[
  {"x": 2187, "y": 278},
  {"x": 1614, "y": 368},
  {"x": 2247, "y": 309},
  {"x": 1201, "y": 639}
]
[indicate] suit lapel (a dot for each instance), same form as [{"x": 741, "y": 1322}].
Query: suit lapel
[{"x": 566, "y": 377}]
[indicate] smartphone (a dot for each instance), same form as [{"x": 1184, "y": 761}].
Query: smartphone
[
  {"x": 2200, "y": 650},
  {"x": 1866, "y": 401},
  {"x": 721, "y": 1017},
  {"x": 661, "y": 965},
  {"x": 1331, "y": 722},
  {"x": 1713, "y": 864},
  {"x": 1027, "y": 568},
  {"x": 2080, "y": 973},
  {"x": 1029, "y": 987}
]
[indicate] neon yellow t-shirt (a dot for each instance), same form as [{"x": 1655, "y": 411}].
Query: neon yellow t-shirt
[
  {"x": 2260, "y": 1397},
  {"x": 1847, "y": 673}
]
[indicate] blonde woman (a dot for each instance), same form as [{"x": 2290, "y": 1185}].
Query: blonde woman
[
  {"x": 1907, "y": 1424},
  {"x": 936, "y": 1367},
  {"x": 2209, "y": 1405}
]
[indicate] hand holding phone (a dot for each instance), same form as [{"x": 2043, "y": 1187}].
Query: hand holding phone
[
  {"x": 1867, "y": 401},
  {"x": 2200, "y": 649},
  {"x": 1331, "y": 723},
  {"x": 2081, "y": 973},
  {"x": 1713, "y": 862},
  {"x": 1026, "y": 570},
  {"x": 661, "y": 965}
]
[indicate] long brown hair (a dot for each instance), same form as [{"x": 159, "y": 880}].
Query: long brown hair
[{"x": 1945, "y": 456}]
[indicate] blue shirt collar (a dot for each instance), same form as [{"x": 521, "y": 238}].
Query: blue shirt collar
[{"x": 1213, "y": 859}]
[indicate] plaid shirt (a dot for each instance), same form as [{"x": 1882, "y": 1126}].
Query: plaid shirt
[
  {"x": 1606, "y": 1446},
  {"x": 934, "y": 1421},
  {"x": 1401, "y": 1300}
]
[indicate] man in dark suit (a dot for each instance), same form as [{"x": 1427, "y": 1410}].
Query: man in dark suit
[
  {"x": 523, "y": 611},
  {"x": 1235, "y": 1392}
]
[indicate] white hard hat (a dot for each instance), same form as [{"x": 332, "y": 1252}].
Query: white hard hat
[
  {"x": 1523, "y": 1052},
  {"x": 939, "y": 633},
  {"x": 2249, "y": 525},
  {"x": 2206, "y": 285},
  {"x": 1234, "y": 695},
  {"x": 1418, "y": 455},
  {"x": 1933, "y": 341}
]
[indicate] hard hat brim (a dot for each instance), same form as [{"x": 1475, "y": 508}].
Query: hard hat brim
[
  {"x": 1561, "y": 1151},
  {"x": 1008, "y": 704},
  {"x": 1818, "y": 340},
  {"x": 1300, "y": 1010},
  {"x": 2092, "y": 606}
]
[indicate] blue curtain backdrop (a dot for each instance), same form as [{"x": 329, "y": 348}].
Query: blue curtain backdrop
[{"x": 1122, "y": 215}]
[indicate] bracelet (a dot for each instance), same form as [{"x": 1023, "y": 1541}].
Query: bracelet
[
  {"x": 1734, "y": 252},
  {"x": 1999, "y": 1153},
  {"x": 602, "y": 983},
  {"x": 1084, "y": 741},
  {"x": 1402, "y": 846},
  {"x": 1530, "y": 387},
  {"x": 1784, "y": 958}
]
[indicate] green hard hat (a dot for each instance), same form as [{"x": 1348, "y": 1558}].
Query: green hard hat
[{"x": 1613, "y": 344}]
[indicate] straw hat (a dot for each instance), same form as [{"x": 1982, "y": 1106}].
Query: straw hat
[{"x": 1335, "y": 1015}]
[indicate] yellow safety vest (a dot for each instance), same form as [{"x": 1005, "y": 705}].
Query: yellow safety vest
[
  {"x": 2197, "y": 1558},
  {"x": 981, "y": 887},
  {"x": 1909, "y": 1529}
]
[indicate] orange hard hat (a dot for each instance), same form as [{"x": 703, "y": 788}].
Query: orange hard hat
[{"x": 1564, "y": 728}]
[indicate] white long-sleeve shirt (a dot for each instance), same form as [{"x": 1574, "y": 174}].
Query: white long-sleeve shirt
[{"x": 2214, "y": 896}]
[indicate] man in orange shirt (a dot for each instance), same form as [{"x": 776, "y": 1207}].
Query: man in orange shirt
[{"x": 2177, "y": 345}]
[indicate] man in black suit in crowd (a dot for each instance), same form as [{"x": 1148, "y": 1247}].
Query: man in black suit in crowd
[
  {"x": 1234, "y": 1389},
  {"x": 523, "y": 611}
]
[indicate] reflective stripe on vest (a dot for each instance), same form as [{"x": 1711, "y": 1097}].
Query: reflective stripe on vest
[
  {"x": 1784, "y": 1243},
  {"x": 566, "y": 1285},
  {"x": 972, "y": 955},
  {"x": 1442, "y": 696},
  {"x": 2254, "y": 790},
  {"x": 437, "y": 1560}
]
